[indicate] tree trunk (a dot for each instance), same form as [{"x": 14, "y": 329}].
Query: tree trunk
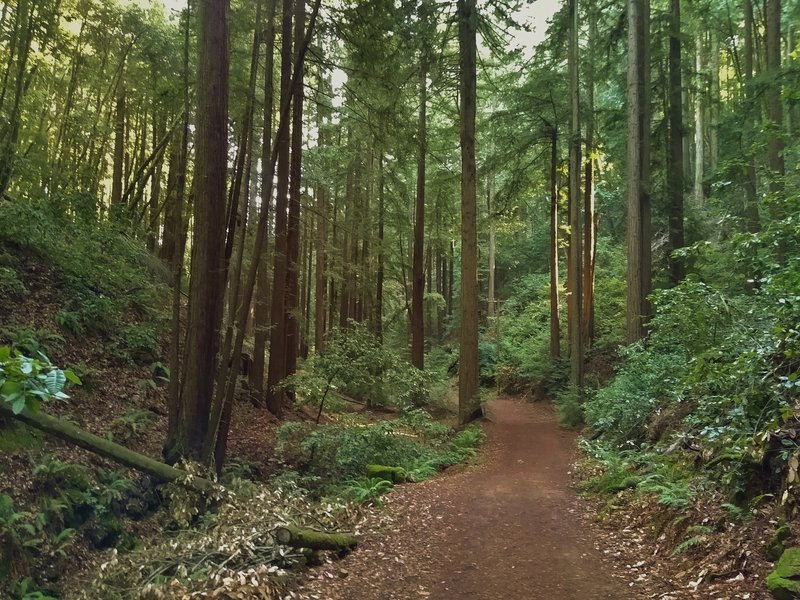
[
  {"x": 576, "y": 349},
  {"x": 207, "y": 288},
  {"x": 468, "y": 373},
  {"x": 638, "y": 156},
  {"x": 378, "y": 314},
  {"x": 490, "y": 304},
  {"x": 277, "y": 338},
  {"x": 775, "y": 144},
  {"x": 119, "y": 151},
  {"x": 699, "y": 124},
  {"x": 263, "y": 304},
  {"x": 293, "y": 232},
  {"x": 66, "y": 431},
  {"x": 417, "y": 271},
  {"x": 750, "y": 187},
  {"x": 675, "y": 146},
  {"x": 555, "y": 324},
  {"x": 301, "y": 537}
]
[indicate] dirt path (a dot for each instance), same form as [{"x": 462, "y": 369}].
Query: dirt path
[{"x": 510, "y": 528}]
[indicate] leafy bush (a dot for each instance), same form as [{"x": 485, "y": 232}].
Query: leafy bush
[
  {"x": 32, "y": 341},
  {"x": 357, "y": 364},
  {"x": 568, "y": 407},
  {"x": 26, "y": 382},
  {"x": 11, "y": 286},
  {"x": 327, "y": 455}
]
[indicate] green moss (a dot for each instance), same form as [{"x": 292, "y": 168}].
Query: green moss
[
  {"x": 16, "y": 436},
  {"x": 776, "y": 546},
  {"x": 393, "y": 474},
  {"x": 784, "y": 581}
]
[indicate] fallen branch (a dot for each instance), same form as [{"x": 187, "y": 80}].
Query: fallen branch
[
  {"x": 75, "y": 435},
  {"x": 302, "y": 537}
]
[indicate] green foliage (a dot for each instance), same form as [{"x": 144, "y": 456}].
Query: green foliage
[
  {"x": 675, "y": 493},
  {"x": 11, "y": 286},
  {"x": 26, "y": 382},
  {"x": 357, "y": 364},
  {"x": 27, "y": 589},
  {"x": 108, "y": 277},
  {"x": 569, "y": 407},
  {"x": 699, "y": 535},
  {"x": 466, "y": 442},
  {"x": 327, "y": 455},
  {"x": 32, "y": 341},
  {"x": 137, "y": 343},
  {"x": 366, "y": 490},
  {"x": 487, "y": 361},
  {"x": 53, "y": 475},
  {"x": 131, "y": 423}
]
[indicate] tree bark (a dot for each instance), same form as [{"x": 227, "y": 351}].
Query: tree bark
[
  {"x": 277, "y": 338},
  {"x": 555, "y": 323},
  {"x": 292, "y": 339},
  {"x": 675, "y": 183},
  {"x": 638, "y": 157},
  {"x": 301, "y": 537},
  {"x": 263, "y": 304},
  {"x": 207, "y": 287},
  {"x": 417, "y": 270},
  {"x": 468, "y": 373},
  {"x": 699, "y": 124},
  {"x": 576, "y": 348}
]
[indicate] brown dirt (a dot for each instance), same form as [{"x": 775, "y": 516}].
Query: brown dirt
[{"x": 510, "y": 527}]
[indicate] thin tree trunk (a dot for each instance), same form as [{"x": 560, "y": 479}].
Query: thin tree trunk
[
  {"x": 490, "y": 307},
  {"x": 699, "y": 124},
  {"x": 589, "y": 221},
  {"x": 555, "y": 323},
  {"x": 750, "y": 187},
  {"x": 263, "y": 304},
  {"x": 775, "y": 144},
  {"x": 576, "y": 349},
  {"x": 293, "y": 232},
  {"x": 378, "y": 316},
  {"x": 675, "y": 183},
  {"x": 277, "y": 343},
  {"x": 176, "y": 257},
  {"x": 417, "y": 270}
]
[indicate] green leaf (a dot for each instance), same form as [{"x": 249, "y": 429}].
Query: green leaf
[
  {"x": 5, "y": 354},
  {"x": 55, "y": 381},
  {"x": 19, "y": 405},
  {"x": 72, "y": 378}
]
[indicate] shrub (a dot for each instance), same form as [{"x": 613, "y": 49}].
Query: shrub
[{"x": 568, "y": 407}]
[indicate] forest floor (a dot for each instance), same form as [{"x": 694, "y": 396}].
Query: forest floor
[{"x": 511, "y": 526}]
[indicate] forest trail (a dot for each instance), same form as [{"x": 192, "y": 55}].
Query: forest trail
[{"x": 510, "y": 528}]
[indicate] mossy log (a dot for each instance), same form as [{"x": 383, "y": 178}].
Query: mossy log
[
  {"x": 68, "y": 432},
  {"x": 393, "y": 474},
  {"x": 302, "y": 537}
]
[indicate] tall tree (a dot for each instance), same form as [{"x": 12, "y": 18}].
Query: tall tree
[
  {"x": 417, "y": 268},
  {"x": 576, "y": 348},
  {"x": 292, "y": 337},
  {"x": 468, "y": 357},
  {"x": 207, "y": 288},
  {"x": 638, "y": 168},
  {"x": 262, "y": 310},
  {"x": 675, "y": 183},
  {"x": 277, "y": 338}
]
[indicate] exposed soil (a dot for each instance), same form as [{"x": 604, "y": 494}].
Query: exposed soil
[{"x": 510, "y": 527}]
